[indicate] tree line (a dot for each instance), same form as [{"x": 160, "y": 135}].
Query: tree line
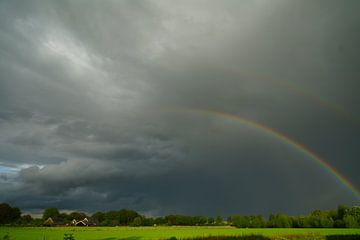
[{"x": 342, "y": 217}]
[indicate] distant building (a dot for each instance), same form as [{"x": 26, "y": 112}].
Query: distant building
[
  {"x": 49, "y": 222},
  {"x": 83, "y": 223}
]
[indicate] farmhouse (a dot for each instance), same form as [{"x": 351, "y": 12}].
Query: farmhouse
[
  {"x": 83, "y": 223},
  {"x": 49, "y": 222}
]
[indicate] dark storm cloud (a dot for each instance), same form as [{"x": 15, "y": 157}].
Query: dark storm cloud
[{"x": 92, "y": 99}]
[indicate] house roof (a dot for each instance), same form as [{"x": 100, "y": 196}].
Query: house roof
[
  {"x": 83, "y": 222},
  {"x": 49, "y": 221}
]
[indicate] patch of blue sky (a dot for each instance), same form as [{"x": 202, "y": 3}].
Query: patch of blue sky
[{"x": 6, "y": 169}]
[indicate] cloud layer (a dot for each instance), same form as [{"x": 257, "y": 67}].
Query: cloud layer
[{"x": 93, "y": 99}]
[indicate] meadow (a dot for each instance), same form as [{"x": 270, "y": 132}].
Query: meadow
[{"x": 137, "y": 233}]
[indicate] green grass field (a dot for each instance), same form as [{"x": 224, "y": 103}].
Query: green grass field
[{"x": 135, "y": 233}]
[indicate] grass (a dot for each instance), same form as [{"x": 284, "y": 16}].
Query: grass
[{"x": 140, "y": 233}]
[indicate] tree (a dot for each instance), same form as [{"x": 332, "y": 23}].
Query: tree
[
  {"x": 99, "y": 217},
  {"x": 199, "y": 220},
  {"x": 64, "y": 218},
  {"x": 239, "y": 221},
  {"x": 341, "y": 212},
  {"x": 8, "y": 214},
  {"x": 211, "y": 221},
  {"x": 280, "y": 221},
  {"x": 303, "y": 222},
  {"x": 257, "y": 221},
  {"x": 51, "y": 212},
  {"x": 160, "y": 221},
  {"x": 355, "y": 212},
  {"x": 138, "y": 221},
  {"x": 218, "y": 220},
  {"x": 148, "y": 221},
  {"x": 77, "y": 216},
  {"x": 321, "y": 219},
  {"x": 125, "y": 217},
  {"x": 26, "y": 219},
  {"x": 350, "y": 222}
]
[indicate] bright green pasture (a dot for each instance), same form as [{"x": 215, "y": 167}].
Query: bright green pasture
[{"x": 137, "y": 233}]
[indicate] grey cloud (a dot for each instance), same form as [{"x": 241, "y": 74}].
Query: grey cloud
[{"x": 92, "y": 99}]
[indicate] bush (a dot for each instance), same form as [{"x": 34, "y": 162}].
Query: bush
[{"x": 68, "y": 236}]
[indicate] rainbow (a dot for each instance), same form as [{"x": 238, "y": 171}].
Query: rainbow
[{"x": 282, "y": 137}]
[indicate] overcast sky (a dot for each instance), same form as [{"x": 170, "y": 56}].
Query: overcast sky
[{"x": 97, "y": 99}]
